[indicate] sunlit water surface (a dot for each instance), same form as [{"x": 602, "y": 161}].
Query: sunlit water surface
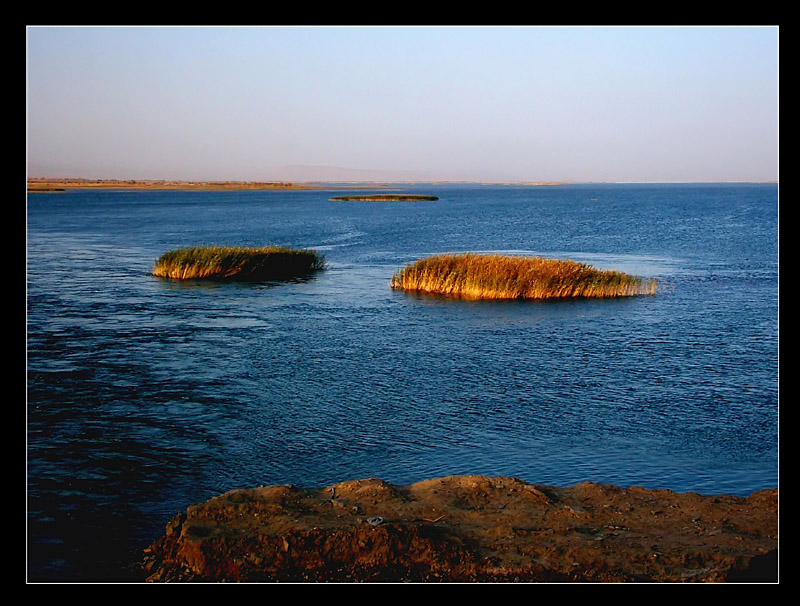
[{"x": 145, "y": 395}]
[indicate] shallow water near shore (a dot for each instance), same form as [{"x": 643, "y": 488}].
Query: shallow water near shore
[{"x": 146, "y": 395}]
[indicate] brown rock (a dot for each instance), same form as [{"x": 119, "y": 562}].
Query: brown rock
[{"x": 469, "y": 528}]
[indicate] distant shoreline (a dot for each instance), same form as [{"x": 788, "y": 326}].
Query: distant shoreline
[
  {"x": 57, "y": 185},
  {"x": 51, "y": 185},
  {"x": 48, "y": 185}
]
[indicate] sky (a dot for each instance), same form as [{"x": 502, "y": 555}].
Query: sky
[{"x": 619, "y": 104}]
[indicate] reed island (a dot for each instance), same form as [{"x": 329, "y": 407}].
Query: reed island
[
  {"x": 238, "y": 263},
  {"x": 386, "y": 198},
  {"x": 477, "y": 276}
]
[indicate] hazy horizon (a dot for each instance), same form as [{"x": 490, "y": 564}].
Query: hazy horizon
[{"x": 495, "y": 104}]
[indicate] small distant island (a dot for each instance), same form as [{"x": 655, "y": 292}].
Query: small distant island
[
  {"x": 386, "y": 198},
  {"x": 494, "y": 277},
  {"x": 238, "y": 263}
]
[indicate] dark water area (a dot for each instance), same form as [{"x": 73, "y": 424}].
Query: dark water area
[{"x": 145, "y": 395}]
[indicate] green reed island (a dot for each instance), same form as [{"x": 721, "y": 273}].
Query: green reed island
[
  {"x": 238, "y": 263},
  {"x": 385, "y": 198},
  {"x": 476, "y": 276}
]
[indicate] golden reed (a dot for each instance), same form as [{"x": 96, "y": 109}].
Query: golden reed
[
  {"x": 237, "y": 263},
  {"x": 475, "y": 276}
]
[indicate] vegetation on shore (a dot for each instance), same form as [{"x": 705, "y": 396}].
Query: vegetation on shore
[
  {"x": 476, "y": 276},
  {"x": 38, "y": 184},
  {"x": 386, "y": 198},
  {"x": 45, "y": 190},
  {"x": 238, "y": 263}
]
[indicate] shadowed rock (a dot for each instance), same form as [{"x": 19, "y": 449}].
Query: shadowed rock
[{"x": 469, "y": 528}]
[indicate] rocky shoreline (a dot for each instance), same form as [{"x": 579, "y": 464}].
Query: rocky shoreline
[{"x": 469, "y": 529}]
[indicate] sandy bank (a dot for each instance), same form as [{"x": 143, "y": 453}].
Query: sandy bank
[
  {"x": 469, "y": 529},
  {"x": 45, "y": 185}
]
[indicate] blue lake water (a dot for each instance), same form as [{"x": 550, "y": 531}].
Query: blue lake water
[{"x": 145, "y": 396}]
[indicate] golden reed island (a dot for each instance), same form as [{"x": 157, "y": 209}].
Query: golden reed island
[
  {"x": 477, "y": 276},
  {"x": 237, "y": 263}
]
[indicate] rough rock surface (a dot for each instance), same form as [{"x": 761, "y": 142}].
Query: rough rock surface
[{"x": 469, "y": 529}]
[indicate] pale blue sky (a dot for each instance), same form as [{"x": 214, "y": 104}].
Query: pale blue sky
[{"x": 510, "y": 103}]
